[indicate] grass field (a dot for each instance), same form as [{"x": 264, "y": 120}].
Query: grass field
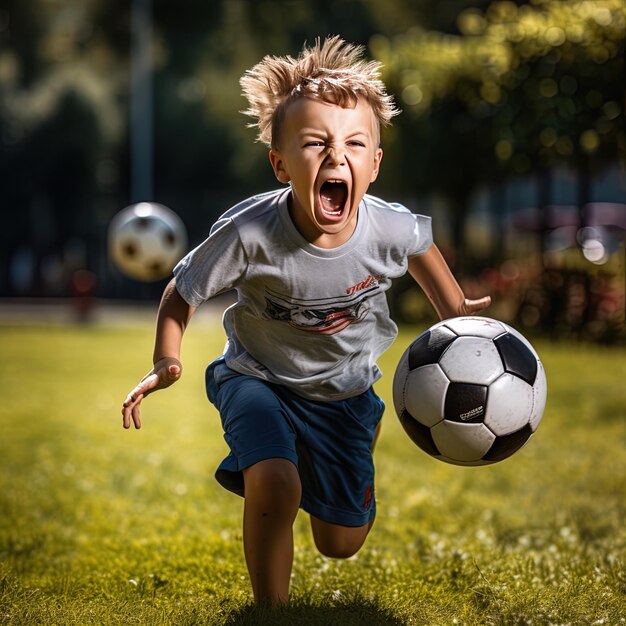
[{"x": 104, "y": 526}]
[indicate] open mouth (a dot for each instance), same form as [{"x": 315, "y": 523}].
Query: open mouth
[{"x": 333, "y": 196}]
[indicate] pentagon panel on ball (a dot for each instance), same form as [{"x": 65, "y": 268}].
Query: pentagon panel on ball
[{"x": 470, "y": 391}]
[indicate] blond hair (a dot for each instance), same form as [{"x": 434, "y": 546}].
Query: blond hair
[{"x": 333, "y": 72}]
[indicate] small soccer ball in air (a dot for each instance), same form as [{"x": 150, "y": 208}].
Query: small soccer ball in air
[
  {"x": 146, "y": 240},
  {"x": 470, "y": 391}
]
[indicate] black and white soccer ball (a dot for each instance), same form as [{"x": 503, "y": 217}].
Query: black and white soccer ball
[
  {"x": 470, "y": 391},
  {"x": 146, "y": 240}
]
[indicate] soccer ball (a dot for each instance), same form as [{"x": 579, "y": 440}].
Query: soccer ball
[
  {"x": 470, "y": 391},
  {"x": 146, "y": 240}
]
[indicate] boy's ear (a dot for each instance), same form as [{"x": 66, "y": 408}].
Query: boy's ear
[
  {"x": 377, "y": 159},
  {"x": 278, "y": 165}
]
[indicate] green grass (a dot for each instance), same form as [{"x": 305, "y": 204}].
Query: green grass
[{"x": 104, "y": 526}]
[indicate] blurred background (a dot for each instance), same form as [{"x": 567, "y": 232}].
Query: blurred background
[{"x": 511, "y": 138}]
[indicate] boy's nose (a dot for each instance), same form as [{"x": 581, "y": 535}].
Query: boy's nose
[{"x": 335, "y": 156}]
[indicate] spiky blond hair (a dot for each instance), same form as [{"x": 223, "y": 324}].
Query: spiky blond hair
[{"x": 333, "y": 71}]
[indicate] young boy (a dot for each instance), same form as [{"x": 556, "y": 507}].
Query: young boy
[{"x": 310, "y": 263}]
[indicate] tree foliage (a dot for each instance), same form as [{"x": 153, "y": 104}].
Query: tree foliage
[{"x": 521, "y": 88}]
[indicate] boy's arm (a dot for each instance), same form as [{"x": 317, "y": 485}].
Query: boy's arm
[
  {"x": 433, "y": 275},
  {"x": 172, "y": 320}
]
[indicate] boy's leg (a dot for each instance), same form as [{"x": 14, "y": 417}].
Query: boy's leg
[
  {"x": 338, "y": 541},
  {"x": 272, "y": 497}
]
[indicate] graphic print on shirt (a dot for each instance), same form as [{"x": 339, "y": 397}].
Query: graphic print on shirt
[{"x": 323, "y": 315}]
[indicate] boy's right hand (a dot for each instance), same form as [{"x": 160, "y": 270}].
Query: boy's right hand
[{"x": 164, "y": 373}]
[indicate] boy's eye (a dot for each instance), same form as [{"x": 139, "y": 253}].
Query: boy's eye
[
  {"x": 314, "y": 144},
  {"x": 359, "y": 144}
]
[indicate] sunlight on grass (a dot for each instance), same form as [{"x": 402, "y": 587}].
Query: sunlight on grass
[{"x": 105, "y": 526}]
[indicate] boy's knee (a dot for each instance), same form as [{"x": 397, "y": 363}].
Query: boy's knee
[
  {"x": 336, "y": 550},
  {"x": 339, "y": 548},
  {"x": 272, "y": 478},
  {"x": 338, "y": 542}
]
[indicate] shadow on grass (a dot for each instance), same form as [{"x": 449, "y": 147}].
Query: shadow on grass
[{"x": 350, "y": 613}]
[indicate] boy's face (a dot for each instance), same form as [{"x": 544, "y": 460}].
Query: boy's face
[{"x": 330, "y": 155}]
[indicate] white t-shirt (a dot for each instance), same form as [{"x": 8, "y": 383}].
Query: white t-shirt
[{"x": 313, "y": 319}]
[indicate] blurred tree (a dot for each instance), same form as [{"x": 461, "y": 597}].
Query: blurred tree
[
  {"x": 523, "y": 89},
  {"x": 59, "y": 119}
]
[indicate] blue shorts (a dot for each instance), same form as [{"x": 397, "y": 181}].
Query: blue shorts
[{"x": 329, "y": 442}]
